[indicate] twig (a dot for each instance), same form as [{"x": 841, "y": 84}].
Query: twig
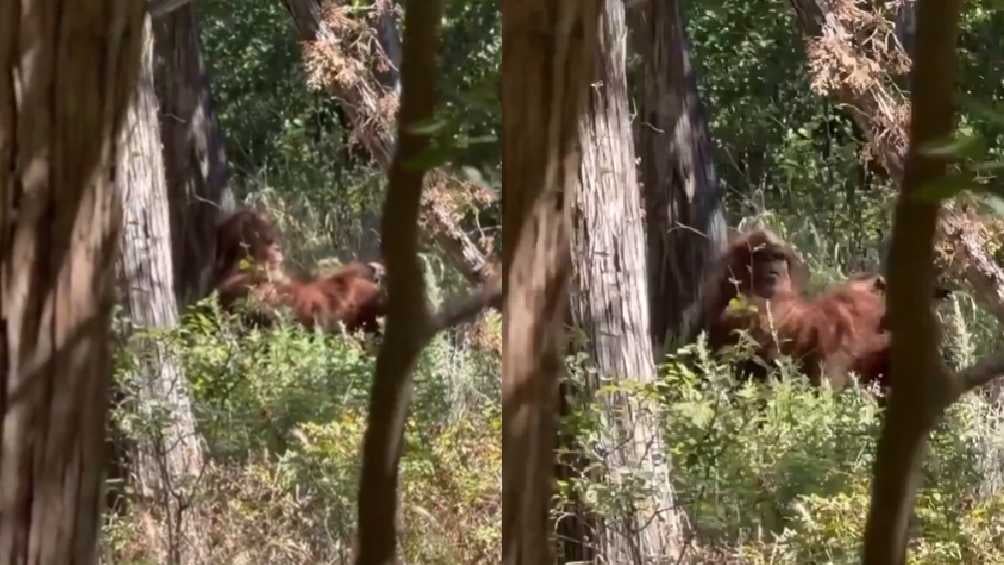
[{"x": 983, "y": 372}]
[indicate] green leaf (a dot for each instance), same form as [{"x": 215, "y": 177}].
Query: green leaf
[
  {"x": 960, "y": 146},
  {"x": 981, "y": 109},
  {"x": 945, "y": 187},
  {"x": 430, "y": 126},
  {"x": 431, "y": 158}
]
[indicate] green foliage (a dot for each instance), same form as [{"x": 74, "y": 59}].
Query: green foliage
[
  {"x": 472, "y": 110},
  {"x": 785, "y": 155},
  {"x": 283, "y": 411},
  {"x": 779, "y": 472},
  {"x": 287, "y": 145}
]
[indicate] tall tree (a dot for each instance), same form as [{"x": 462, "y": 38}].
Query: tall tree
[
  {"x": 915, "y": 409},
  {"x": 168, "y": 455},
  {"x": 683, "y": 199},
  {"x": 548, "y": 49},
  {"x": 67, "y": 71},
  {"x": 410, "y": 323},
  {"x": 195, "y": 160},
  {"x": 609, "y": 299}
]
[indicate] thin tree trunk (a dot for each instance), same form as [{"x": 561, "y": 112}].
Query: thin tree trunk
[
  {"x": 913, "y": 410},
  {"x": 409, "y": 324},
  {"x": 67, "y": 69},
  {"x": 683, "y": 199},
  {"x": 168, "y": 455},
  {"x": 609, "y": 301},
  {"x": 194, "y": 156},
  {"x": 906, "y": 25},
  {"x": 548, "y": 48}
]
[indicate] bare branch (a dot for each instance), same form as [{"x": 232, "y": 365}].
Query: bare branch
[
  {"x": 462, "y": 310},
  {"x": 982, "y": 372},
  {"x": 963, "y": 240}
]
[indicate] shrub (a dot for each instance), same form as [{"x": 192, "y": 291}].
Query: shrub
[
  {"x": 283, "y": 411},
  {"x": 780, "y": 471}
]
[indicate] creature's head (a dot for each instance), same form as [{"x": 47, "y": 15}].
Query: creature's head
[
  {"x": 758, "y": 263},
  {"x": 248, "y": 235}
]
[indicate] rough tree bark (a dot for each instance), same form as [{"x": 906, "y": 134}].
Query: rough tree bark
[
  {"x": 168, "y": 455},
  {"x": 67, "y": 70},
  {"x": 548, "y": 49},
  {"x": 913, "y": 410},
  {"x": 194, "y": 156},
  {"x": 360, "y": 104},
  {"x": 683, "y": 199},
  {"x": 609, "y": 301}
]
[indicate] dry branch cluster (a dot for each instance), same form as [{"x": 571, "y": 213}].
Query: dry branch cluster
[
  {"x": 446, "y": 198},
  {"x": 965, "y": 249},
  {"x": 856, "y": 59},
  {"x": 348, "y": 60}
]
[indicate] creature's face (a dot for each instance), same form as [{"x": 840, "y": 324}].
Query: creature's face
[
  {"x": 273, "y": 256},
  {"x": 261, "y": 243},
  {"x": 769, "y": 271},
  {"x": 378, "y": 271}
]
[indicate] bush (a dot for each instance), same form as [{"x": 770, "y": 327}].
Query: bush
[
  {"x": 283, "y": 411},
  {"x": 780, "y": 472}
]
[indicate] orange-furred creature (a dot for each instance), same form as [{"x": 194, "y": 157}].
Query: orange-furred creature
[
  {"x": 249, "y": 267},
  {"x": 758, "y": 286},
  {"x": 350, "y": 296}
]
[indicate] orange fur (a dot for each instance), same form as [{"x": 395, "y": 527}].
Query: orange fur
[
  {"x": 250, "y": 267},
  {"x": 839, "y": 331}
]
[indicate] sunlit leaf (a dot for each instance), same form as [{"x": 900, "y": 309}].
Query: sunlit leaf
[
  {"x": 982, "y": 109},
  {"x": 945, "y": 188},
  {"x": 961, "y": 146},
  {"x": 430, "y": 126}
]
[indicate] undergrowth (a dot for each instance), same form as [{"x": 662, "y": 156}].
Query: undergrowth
[
  {"x": 283, "y": 411},
  {"x": 780, "y": 471}
]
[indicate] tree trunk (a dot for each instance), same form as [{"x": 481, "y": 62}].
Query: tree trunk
[
  {"x": 194, "y": 156},
  {"x": 609, "y": 300},
  {"x": 67, "y": 69},
  {"x": 914, "y": 409},
  {"x": 409, "y": 324},
  {"x": 548, "y": 48},
  {"x": 168, "y": 456},
  {"x": 683, "y": 199}
]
